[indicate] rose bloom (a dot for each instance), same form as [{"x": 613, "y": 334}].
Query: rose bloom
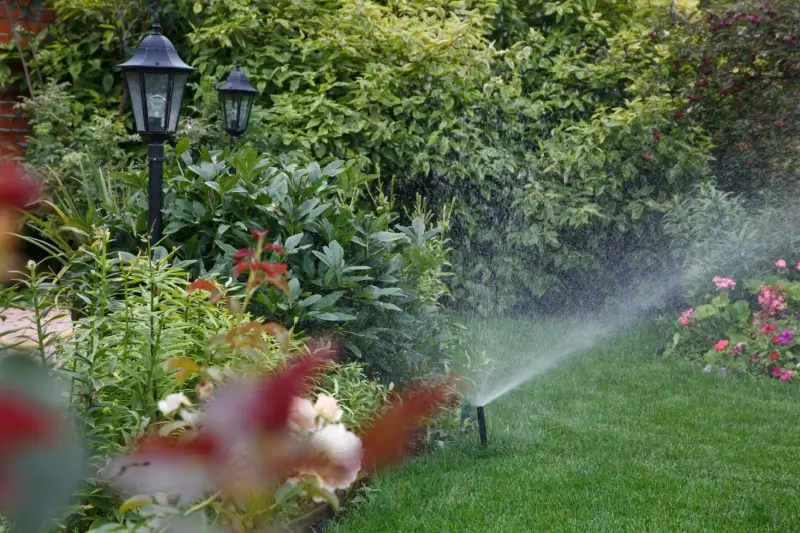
[
  {"x": 337, "y": 457},
  {"x": 780, "y": 263},
  {"x": 720, "y": 346},
  {"x": 327, "y": 408}
]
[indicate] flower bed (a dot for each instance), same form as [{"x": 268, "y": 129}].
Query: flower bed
[{"x": 748, "y": 328}]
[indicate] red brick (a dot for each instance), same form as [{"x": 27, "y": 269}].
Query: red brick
[
  {"x": 8, "y": 109},
  {"x": 47, "y": 15},
  {"x": 5, "y": 13},
  {"x": 10, "y": 151},
  {"x": 19, "y": 124},
  {"x": 6, "y": 27},
  {"x": 7, "y": 138},
  {"x": 32, "y": 26}
]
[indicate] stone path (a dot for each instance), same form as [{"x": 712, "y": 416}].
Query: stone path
[{"x": 18, "y": 328}]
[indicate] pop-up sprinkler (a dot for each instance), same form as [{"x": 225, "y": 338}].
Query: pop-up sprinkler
[{"x": 482, "y": 426}]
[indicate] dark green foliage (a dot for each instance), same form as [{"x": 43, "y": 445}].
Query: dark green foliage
[
  {"x": 355, "y": 272},
  {"x": 742, "y": 60}
]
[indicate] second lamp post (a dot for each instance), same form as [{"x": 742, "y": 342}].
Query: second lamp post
[{"x": 236, "y": 100}]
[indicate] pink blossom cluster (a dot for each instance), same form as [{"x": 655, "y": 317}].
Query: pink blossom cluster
[
  {"x": 723, "y": 283},
  {"x": 781, "y": 264},
  {"x": 783, "y": 375},
  {"x": 772, "y": 299},
  {"x": 686, "y": 317}
]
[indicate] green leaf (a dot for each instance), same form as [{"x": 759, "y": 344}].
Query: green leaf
[
  {"x": 388, "y": 236},
  {"x": 705, "y": 311},
  {"x": 314, "y": 298},
  {"x": 335, "y": 317},
  {"x": 182, "y": 146},
  {"x": 292, "y": 242}
]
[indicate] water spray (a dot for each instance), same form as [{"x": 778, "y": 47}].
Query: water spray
[{"x": 482, "y": 426}]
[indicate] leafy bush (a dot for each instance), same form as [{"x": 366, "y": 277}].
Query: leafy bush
[
  {"x": 745, "y": 329},
  {"x": 567, "y": 156},
  {"x": 354, "y": 272}
]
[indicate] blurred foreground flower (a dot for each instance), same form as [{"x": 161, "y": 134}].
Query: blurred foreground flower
[
  {"x": 40, "y": 459},
  {"x": 261, "y": 440}
]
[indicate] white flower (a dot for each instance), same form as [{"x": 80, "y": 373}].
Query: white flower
[
  {"x": 192, "y": 417},
  {"x": 303, "y": 415},
  {"x": 338, "y": 454},
  {"x": 214, "y": 159},
  {"x": 327, "y": 408},
  {"x": 173, "y": 402}
]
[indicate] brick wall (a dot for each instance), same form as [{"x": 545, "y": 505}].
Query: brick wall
[{"x": 13, "y": 127}]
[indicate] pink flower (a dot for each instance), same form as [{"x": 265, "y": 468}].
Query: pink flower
[
  {"x": 777, "y": 371},
  {"x": 723, "y": 283},
  {"x": 771, "y": 299},
  {"x": 720, "y": 346},
  {"x": 780, "y": 263},
  {"x": 786, "y": 376},
  {"x": 798, "y": 266},
  {"x": 302, "y": 415},
  {"x": 214, "y": 159},
  {"x": 686, "y": 317}
]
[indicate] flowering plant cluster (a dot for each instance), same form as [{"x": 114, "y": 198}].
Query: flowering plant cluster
[
  {"x": 229, "y": 450},
  {"x": 754, "y": 330}
]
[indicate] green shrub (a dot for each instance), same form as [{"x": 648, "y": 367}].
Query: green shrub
[
  {"x": 741, "y": 59},
  {"x": 354, "y": 271},
  {"x": 567, "y": 155}
]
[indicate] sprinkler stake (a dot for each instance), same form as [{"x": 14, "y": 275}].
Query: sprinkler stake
[{"x": 482, "y": 426}]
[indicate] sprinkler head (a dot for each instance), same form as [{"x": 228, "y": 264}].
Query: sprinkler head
[{"x": 482, "y": 426}]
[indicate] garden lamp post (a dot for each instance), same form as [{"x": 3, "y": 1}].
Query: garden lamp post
[
  {"x": 156, "y": 78},
  {"x": 236, "y": 100}
]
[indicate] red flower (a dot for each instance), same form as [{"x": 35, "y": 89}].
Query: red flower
[
  {"x": 777, "y": 371},
  {"x": 766, "y": 329},
  {"x": 200, "y": 446},
  {"x": 646, "y": 156},
  {"x": 774, "y": 356},
  {"x": 17, "y": 189},
  {"x": 676, "y": 64},
  {"x": 242, "y": 254},
  {"x": 388, "y": 437},
  {"x": 273, "y": 400},
  {"x": 275, "y": 247},
  {"x": 653, "y": 35},
  {"x": 724, "y": 92},
  {"x": 694, "y": 98},
  {"x": 678, "y": 114},
  {"x": 701, "y": 83},
  {"x": 201, "y": 285},
  {"x": 259, "y": 235},
  {"x": 22, "y": 422},
  {"x": 656, "y": 135},
  {"x": 270, "y": 269},
  {"x": 705, "y": 70},
  {"x": 755, "y": 19}
]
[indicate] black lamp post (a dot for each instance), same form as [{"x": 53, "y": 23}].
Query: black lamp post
[
  {"x": 156, "y": 78},
  {"x": 236, "y": 100}
]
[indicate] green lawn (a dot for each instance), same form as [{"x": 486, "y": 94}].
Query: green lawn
[{"x": 612, "y": 440}]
